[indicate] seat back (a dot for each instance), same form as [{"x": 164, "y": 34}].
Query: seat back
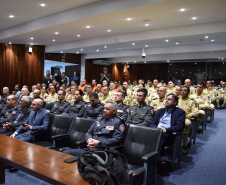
[
  {"x": 79, "y": 130},
  {"x": 141, "y": 141},
  {"x": 61, "y": 124},
  {"x": 49, "y": 105}
]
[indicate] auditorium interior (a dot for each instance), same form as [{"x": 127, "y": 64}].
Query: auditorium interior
[{"x": 145, "y": 39}]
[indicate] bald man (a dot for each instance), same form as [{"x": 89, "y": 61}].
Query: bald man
[
  {"x": 187, "y": 83},
  {"x": 38, "y": 120},
  {"x": 5, "y": 91}
]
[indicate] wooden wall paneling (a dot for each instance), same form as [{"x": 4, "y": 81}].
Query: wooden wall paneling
[
  {"x": 19, "y": 66},
  {"x": 69, "y": 70},
  {"x": 64, "y": 57}
]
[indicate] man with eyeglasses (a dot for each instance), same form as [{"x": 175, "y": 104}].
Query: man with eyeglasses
[
  {"x": 9, "y": 110},
  {"x": 169, "y": 119},
  {"x": 77, "y": 107},
  {"x": 38, "y": 121},
  {"x": 20, "y": 117},
  {"x": 190, "y": 109}
]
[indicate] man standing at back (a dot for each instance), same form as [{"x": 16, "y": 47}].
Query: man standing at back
[{"x": 38, "y": 120}]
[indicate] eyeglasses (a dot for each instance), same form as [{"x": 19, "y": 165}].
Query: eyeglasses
[{"x": 23, "y": 101}]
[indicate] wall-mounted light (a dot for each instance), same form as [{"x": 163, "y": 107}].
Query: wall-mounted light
[{"x": 30, "y": 50}]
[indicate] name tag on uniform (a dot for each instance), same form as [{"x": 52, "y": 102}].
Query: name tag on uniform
[
  {"x": 121, "y": 111},
  {"x": 110, "y": 127}
]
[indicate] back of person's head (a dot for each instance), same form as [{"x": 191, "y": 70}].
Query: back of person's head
[
  {"x": 143, "y": 90},
  {"x": 93, "y": 95}
]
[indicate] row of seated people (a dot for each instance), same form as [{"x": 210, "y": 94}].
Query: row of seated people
[{"x": 133, "y": 115}]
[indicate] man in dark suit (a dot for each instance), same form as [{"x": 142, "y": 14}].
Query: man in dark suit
[
  {"x": 169, "y": 119},
  {"x": 19, "y": 118},
  {"x": 38, "y": 120}
]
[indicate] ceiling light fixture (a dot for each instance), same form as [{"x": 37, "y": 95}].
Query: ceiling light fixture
[
  {"x": 145, "y": 62},
  {"x": 97, "y": 50},
  {"x": 81, "y": 49},
  {"x": 167, "y": 61},
  {"x": 32, "y": 38},
  {"x": 88, "y": 26},
  {"x": 167, "y": 40},
  {"x": 43, "y": 4},
  {"x": 54, "y": 40},
  {"x": 105, "y": 47},
  {"x": 78, "y": 35},
  {"x": 32, "y": 44},
  {"x": 56, "y": 33},
  {"x": 177, "y": 43},
  {"x": 109, "y": 30},
  {"x": 146, "y": 46},
  {"x": 129, "y": 19},
  {"x": 77, "y": 52},
  {"x": 206, "y": 37},
  {"x": 133, "y": 43},
  {"x": 212, "y": 40},
  {"x": 147, "y": 25},
  {"x": 61, "y": 52},
  {"x": 182, "y": 9},
  {"x": 135, "y": 61},
  {"x": 10, "y": 42},
  {"x": 11, "y": 16},
  {"x": 194, "y": 18},
  {"x": 119, "y": 48}
]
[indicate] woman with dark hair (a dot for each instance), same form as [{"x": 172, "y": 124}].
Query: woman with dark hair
[{"x": 58, "y": 77}]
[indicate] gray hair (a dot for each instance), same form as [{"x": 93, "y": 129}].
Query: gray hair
[
  {"x": 114, "y": 104},
  {"x": 13, "y": 97},
  {"x": 27, "y": 99}
]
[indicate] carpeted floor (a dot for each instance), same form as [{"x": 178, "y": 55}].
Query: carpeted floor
[{"x": 205, "y": 163}]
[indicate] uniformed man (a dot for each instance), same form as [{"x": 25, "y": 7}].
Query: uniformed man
[
  {"x": 123, "y": 109},
  {"x": 95, "y": 108},
  {"x": 187, "y": 83},
  {"x": 209, "y": 91},
  {"x": 53, "y": 96},
  {"x": 36, "y": 94},
  {"x": 33, "y": 88},
  {"x": 190, "y": 109},
  {"x": 56, "y": 84},
  {"x": 154, "y": 88},
  {"x": 106, "y": 95},
  {"x": 70, "y": 96},
  {"x": 89, "y": 89},
  {"x": 99, "y": 90},
  {"x": 20, "y": 117},
  {"x": 77, "y": 107},
  {"x": 154, "y": 93},
  {"x": 105, "y": 132},
  {"x": 94, "y": 84},
  {"x": 221, "y": 95},
  {"x": 43, "y": 94},
  {"x": 24, "y": 92},
  {"x": 117, "y": 84},
  {"x": 83, "y": 85},
  {"x": 134, "y": 86},
  {"x": 9, "y": 110},
  {"x": 61, "y": 104},
  {"x": 129, "y": 92},
  {"x": 171, "y": 88},
  {"x": 140, "y": 114},
  {"x": 202, "y": 101},
  {"x": 17, "y": 90},
  {"x": 178, "y": 92},
  {"x": 179, "y": 83},
  {"x": 160, "y": 101},
  {"x": 112, "y": 91},
  {"x": 5, "y": 91}
]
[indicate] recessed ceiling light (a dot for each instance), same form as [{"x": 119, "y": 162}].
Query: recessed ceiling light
[
  {"x": 135, "y": 61},
  {"x": 129, "y": 19},
  {"x": 54, "y": 40},
  {"x": 206, "y": 37},
  {"x": 56, "y": 33},
  {"x": 133, "y": 43},
  {"x": 182, "y": 9},
  {"x": 119, "y": 48},
  {"x": 43, "y": 4},
  {"x": 32, "y": 38},
  {"x": 61, "y": 52},
  {"x": 212, "y": 40},
  {"x": 145, "y": 62},
  {"x": 194, "y": 18},
  {"x": 167, "y": 40},
  {"x": 78, "y": 35},
  {"x": 97, "y": 50},
  {"x": 105, "y": 46},
  {"x": 10, "y": 42},
  {"x": 11, "y": 16},
  {"x": 146, "y": 46},
  {"x": 177, "y": 43},
  {"x": 195, "y": 63},
  {"x": 147, "y": 25},
  {"x": 167, "y": 61},
  {"x": 77, "y": 52},
  {"x": 109, "y": 30},
  {"x": 81, "y": 49},
  {"x": 88, "y": 26},
  {"x": 32, "y": 44}
]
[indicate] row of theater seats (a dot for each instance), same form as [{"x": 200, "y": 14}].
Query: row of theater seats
[{"x": 141, "y": 145}]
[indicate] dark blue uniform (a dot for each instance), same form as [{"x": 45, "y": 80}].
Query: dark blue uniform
[
  {"x": 3, "y": 100},
  {"x": 76, "y": 109},
  {"x": 108, "y": 132},
  {"x": 93, "y": 111},
  {"x": 7, "y": 113},
  {"x": 59, "y": 107},
  {"x": 123, "y": 111}
]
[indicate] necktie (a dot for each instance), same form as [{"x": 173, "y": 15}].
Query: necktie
[{"x": 34, "y": 118}]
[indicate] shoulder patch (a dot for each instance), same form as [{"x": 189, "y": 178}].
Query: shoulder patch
[
  {"x": 122, "y": 127},
  {"x": 127, "y": 110}
]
